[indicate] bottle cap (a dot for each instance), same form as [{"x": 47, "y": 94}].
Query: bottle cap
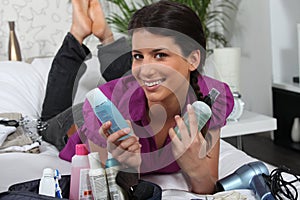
[
  {"x": 81, "y": 149},
  {"x": 110, "y": 162},
  {"x": 96, "y": 97},
  {"x": 48, "y": 172},
  {"x": 94, "y": 160}
]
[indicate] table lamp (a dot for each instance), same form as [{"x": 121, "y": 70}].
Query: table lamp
[{"x": 227, "y": 64}]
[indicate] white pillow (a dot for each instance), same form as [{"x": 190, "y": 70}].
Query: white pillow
[
  {"x": 22, "y": 85},
  {"x": 87, "y": 82},
  {"x": 22, "y": 88}
]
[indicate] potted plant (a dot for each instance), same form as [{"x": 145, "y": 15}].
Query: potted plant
[{"x": 213, "y": 14}]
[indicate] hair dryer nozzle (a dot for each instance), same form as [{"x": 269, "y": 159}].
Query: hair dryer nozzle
[{"x": 241, "y": 178}]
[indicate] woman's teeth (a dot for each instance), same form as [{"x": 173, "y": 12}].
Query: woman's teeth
[{"x": 150, "y": 84}]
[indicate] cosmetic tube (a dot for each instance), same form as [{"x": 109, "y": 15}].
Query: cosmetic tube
[
  {"x": 97, "y": 177},
  {"x": 202, "y": 111},
  {"x": 105, "y": 111}
]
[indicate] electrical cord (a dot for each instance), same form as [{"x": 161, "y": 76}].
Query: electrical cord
[{"x": 280, "y": 187}]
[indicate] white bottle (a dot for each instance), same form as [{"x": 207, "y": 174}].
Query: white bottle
[
  {"x": 112, "y": 166},
  {"x": 47, "y": 183},
  {"x": 295, "y": 133},
  {"x": 97, "y": 177},
  {"x": 80, "y": 187}
]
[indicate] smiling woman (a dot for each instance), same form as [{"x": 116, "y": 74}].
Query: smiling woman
[{"x": 168, "y": 53}]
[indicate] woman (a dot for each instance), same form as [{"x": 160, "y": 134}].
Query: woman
[{"x": 168, "y": 51}]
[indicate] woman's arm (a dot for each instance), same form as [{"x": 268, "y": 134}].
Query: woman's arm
[{"x": 195, "y": 155}]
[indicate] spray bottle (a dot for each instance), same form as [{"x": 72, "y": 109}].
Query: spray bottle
[{"x": 112, "y": 166}]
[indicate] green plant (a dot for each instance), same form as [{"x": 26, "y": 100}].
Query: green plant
[{"x": 212, "y": 13}]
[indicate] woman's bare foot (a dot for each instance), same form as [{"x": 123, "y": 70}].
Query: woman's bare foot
[
  {"x": 81, "y": 23},
  {"x": 100, "y": 27}
]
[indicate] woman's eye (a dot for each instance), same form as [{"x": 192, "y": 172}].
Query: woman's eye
[
  {"x": 138, "y": 56},
  {"x": 160, "y": 55}
]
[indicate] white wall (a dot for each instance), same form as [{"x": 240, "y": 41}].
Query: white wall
[
  {"x": 251, "y": 32},
  {"x": 266, "y": 32},
  {"x": 284, "y": 17}
]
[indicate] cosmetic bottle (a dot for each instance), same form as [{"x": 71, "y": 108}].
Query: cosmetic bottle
[
  {"x": 112, "y": 166},
  {"x": 105, "y": 110},
  {"x": 47, "y": 183},
  {"x": 202, "y": 110},
  {"x": 97, "y": 177},
  {"x": 80, "y": 187}
]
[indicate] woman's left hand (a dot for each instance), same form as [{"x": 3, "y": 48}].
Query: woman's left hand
[{"x": 189, "y": 152}]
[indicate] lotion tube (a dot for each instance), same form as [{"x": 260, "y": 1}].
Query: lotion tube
[
  {"x": 105, "y": 110},
  {"x": 97, "y": 177},
  {"x": 202, "y": 111}
]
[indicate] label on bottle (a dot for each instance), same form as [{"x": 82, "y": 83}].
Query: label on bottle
[
  {"x": 115, "y": 192},
  {"x": 99, "y": 185},
  {"x": 85, "y": 189}
]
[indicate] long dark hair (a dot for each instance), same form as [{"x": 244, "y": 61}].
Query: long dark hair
[{"x": 179, "y": 18}]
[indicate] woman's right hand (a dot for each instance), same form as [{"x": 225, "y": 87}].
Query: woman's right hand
[{"x": 127, "y": 151}]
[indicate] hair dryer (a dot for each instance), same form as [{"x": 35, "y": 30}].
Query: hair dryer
[{"x": 248, "y": 176}]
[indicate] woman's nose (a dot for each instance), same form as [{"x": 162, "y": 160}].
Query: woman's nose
[{"x": 147, "y": 70}]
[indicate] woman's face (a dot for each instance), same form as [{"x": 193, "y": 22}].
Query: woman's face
[{"x": 159, "y": 67}]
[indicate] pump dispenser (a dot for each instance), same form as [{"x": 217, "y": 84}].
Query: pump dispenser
[{"x": 112, "y": 166}]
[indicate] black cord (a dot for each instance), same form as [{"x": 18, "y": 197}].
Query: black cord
[{"x": 280, "y": 187}]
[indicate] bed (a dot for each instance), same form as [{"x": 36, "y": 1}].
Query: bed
[{"x": 22, "y": 89}]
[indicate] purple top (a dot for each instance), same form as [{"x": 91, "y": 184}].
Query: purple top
[{"x": 130, "y": 99}]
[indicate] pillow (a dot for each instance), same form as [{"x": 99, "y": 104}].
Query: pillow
[
  {"x": 22, "y": 88},
  {"x": 22, "y": 85},
  {"x": 89, "y": 80}
]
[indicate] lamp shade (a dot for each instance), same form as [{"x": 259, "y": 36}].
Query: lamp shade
[{"x": 227, "y": 64}]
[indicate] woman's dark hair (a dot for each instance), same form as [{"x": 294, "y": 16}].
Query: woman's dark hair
[{"x": 178, "y": 21}]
